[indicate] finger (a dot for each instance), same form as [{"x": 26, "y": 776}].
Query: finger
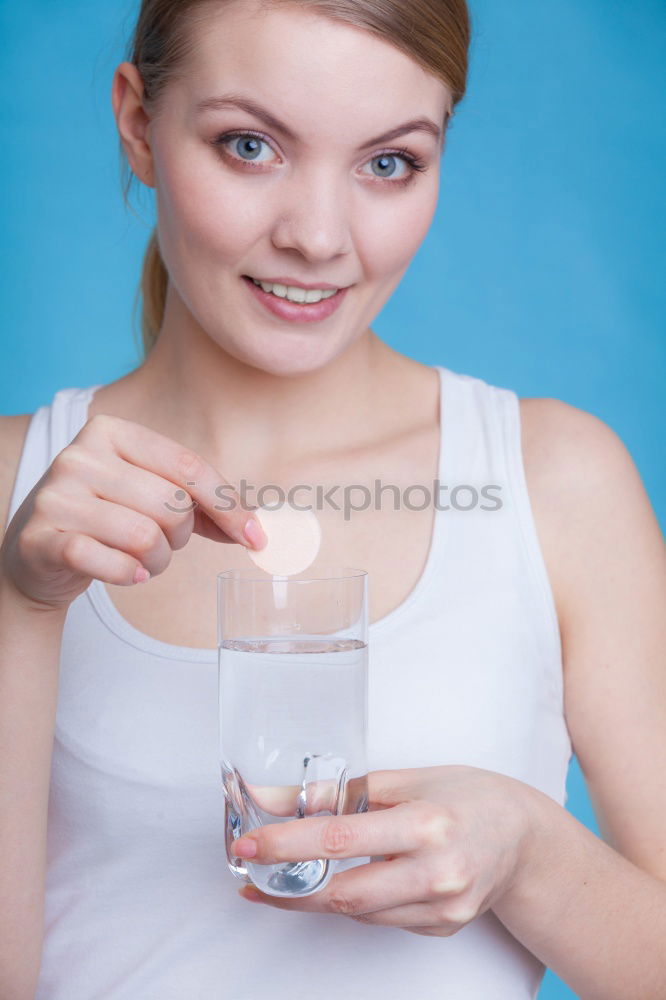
[
  {"x": 419, "y": 918},
  {"x": 390, "y": 894},
  {"x": 110, "y": 477},
  {"x": 145, "y": 448},
  {"x": 440, "y": 919},
  {"x": 114, "y": 526},
  {"x": 436, "y": 931},
  {"x": 131, "y": 532},
  {"x": 208, "y": 529},
  {"x": 285, "y": 800},
  {"x": 368, "y": 888},
  {"x": 127, "y": 485},
  {"x": 85, "y": 555},
  {"x": 388, "y": 788},
  {"x": 406, "y": 827},
  {"x": 171, "y": 506}
]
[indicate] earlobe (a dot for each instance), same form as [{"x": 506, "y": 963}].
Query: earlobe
[{"x": 132, "y": 120}]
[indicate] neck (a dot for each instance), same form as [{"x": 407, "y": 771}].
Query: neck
[{"x": 194, "y": 391}]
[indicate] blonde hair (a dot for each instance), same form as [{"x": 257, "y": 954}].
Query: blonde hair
[{"x": 435, "y": 33}]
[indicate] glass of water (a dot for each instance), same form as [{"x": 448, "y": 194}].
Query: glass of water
[{"x": 293, "y": 709}]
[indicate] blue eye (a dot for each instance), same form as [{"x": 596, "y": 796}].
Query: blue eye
[
  {"x": 247, "y": 145},
  {"x": 387, "y": 160},
  {"x": 247, "y": 149},
  {"x": 386, "y": 163},
  {"x": 250, "y": 146}
]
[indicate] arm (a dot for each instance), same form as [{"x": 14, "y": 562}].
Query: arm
[
  {"x": 457, "y": 841},
  {"x": 29, "y": 657},
  {"x": 594, "y": 913},
  {"x": 29, "y": 654},
  {"x": 62, "y": 536},
  {"x": 586, "y": 912}
]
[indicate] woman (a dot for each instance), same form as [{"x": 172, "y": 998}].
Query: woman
[{"x": 296, "y": 146}]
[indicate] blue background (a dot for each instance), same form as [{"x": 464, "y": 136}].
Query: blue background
[{"x": 543, "y": 271}]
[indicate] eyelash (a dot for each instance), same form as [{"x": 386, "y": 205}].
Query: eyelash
[{"x": 415, "y": 163}]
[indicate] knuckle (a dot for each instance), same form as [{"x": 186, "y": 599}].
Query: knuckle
[
  {"x": 45, "y": 502},
  {"x": 144, "y": 535},
  {"x": 69, "y": 460},
  {"x": 458, "y": 914},
  {"x": 179, "y": 528},
  {"x": 433, "y": 826},
  {"x": 73, "y": 550},
  {"x": 101, "y": 423},
  {"x": 336, "y": 837},
  {"x": 338, "y": 903},
  {"x": 439, "y": 882},
  {"x": 189, "y": 465},
  {"x": 460, "y": 871},
  {"x": 442, "y": 915},
  {"x": 452, "y": 877}
]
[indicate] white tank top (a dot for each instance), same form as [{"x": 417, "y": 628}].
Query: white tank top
[{"x": 140, "y": 904}]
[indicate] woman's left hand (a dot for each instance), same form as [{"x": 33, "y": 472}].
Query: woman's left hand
[{"x": 453, "y": 839}]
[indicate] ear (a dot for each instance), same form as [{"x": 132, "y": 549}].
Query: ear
[{"x": 132, "y": 120}]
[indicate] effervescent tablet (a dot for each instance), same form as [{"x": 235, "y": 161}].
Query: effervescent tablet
[{"x": 294, "y": 537}]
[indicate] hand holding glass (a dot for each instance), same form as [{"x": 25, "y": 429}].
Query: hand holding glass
[{"x": 293, "y": 681}]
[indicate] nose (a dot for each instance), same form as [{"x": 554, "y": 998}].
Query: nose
[{"x": 313, "y": 217}]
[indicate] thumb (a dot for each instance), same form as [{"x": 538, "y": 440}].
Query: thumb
[
  {"x": 205, "y": 526},
  {"x": 390, "y": 788}
]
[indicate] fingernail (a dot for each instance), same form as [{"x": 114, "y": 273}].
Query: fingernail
[
  {"x": 141, "y": 575},
  {"x": 254, "y": 533},
  {"x": 244, "y": 848}
]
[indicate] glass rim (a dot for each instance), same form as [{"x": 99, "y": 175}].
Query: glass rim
[{"x": 260, "y": 576}]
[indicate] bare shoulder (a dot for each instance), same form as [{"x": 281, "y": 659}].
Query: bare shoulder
[
  {"x": 13, "y": 430},
  {"x": 584, "y": 488},
  {"x": 606, "y": 559},
  {"x": 562, "y": 440}
]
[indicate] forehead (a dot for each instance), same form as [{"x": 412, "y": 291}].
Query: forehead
[{"x": 295, "y": 56}]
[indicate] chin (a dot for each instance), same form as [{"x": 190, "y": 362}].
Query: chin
[{"x": 288, "y": 359}]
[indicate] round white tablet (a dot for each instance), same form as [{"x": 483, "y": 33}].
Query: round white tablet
[{"x": 294, "y": 537}]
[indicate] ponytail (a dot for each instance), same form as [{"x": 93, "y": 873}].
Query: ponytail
[{"x": 154, "y": 281}]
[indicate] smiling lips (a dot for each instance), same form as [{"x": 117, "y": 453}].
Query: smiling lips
[
  {"x": 290, "y": 302},
  {"x": 295, "y": 293}
]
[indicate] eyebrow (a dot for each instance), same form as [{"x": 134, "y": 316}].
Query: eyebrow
[{"x": 269, "y": 119}]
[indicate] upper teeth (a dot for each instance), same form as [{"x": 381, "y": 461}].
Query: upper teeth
[{"x": 295, "y": 294}]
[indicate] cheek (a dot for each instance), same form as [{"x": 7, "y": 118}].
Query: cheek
[
  {"x": 205, "y": 219},
  {"x": 389, "y": 230}
]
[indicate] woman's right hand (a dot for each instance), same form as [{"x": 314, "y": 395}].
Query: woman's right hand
[{"x": 118, "y": 499}]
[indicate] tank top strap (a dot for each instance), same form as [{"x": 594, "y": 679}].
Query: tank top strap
[
  {"x": 478, "y": 420},
  {"x": 51, "y": 428},
  {"x": 482, "y": 451},
  {"x": 69, "y": 413}
]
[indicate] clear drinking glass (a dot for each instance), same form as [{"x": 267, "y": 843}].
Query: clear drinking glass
[{"x": 293, "y": 708}]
